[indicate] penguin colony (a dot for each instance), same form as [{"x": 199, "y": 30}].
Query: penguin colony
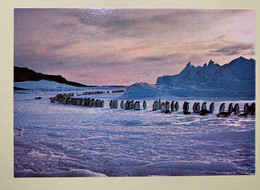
[
  {"x": 128, "y": 105},
  {"x": 68, "y": 99},
  {"x": 164, "y": 107}
]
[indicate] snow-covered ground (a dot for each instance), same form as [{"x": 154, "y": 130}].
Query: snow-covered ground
[{"x": 69, "y": 140}]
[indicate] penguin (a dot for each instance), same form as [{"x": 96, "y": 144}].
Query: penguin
[
  {"x": 132, "y": 104},
  {"x": 230, "y": 107},
  {"x": 176, "y": 106},
  {"x": 155, "y": 105},
  {"x": 211, "y": 107},
  {"x": 160, "y": 104},
  {"x": 127, "y": 105},
  {"x": 116, "y": 104},
  {"x": 194, "y": 107},
  {"x": 246, "y": 110},
  {"x": 52, "y": 100},
  {"x": 110, "y": 104},
  {"x": 252, "y": 109},
  {"x": 137, "y": 105},
  {"x": 167, "y": 107},
  {"x": 91, "y": 103},
  {"x": 204, "y": 106},
  {"x": 83, "y": 103},
  {"x": 96, "y": 103},
  {"x": 144, "y": 105},
  {"x": 88, "y": 102},
  {"x": 122, "y": 104},
  {"x": 102, "y": 103},
  {"x": 186, "y": 108},
  {"x": 163, "y": 108},
  {"x": 197, "y": 108},
  {"x": 79, "y": 101},
  {"x": 222, "y": 107},
  {"x": 60, "y": 100},
  {"x": 236, "y": 109},
  {"x": 172, "y": 106}
]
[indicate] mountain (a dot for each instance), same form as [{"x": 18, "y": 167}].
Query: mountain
[
  {"x": 238, "y": 69},
  {"x": 235, "y": 79},
  {"x": 24, "y": 74}
]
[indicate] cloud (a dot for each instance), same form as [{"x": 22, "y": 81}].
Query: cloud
[
  {"x": 235, "y": 49},
  {"x": 150, "y": 59}
]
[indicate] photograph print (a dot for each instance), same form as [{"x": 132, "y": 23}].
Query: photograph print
[{"x": 134, "y": 92}]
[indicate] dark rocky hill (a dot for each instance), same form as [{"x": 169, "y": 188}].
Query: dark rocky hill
[{"x": 22, "y": 74}]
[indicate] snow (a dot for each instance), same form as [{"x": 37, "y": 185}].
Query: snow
[
  {"x": 45, "y": 85},
  {"x": 55, "y": 140}
]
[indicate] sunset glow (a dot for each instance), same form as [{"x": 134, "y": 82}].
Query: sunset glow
[{"x": 124, "y": 46}]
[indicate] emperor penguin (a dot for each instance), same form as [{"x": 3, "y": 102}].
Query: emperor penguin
[
  {"x": 155, "y": 105},
  {"x": 163, "y": 107},
  {"x": 194, "y": 107},
  {"x": 204, "y": 106},
  {"x": 246, "y": 110},
  {"x": 110, "y": 103},
  {"x": 222, "y": 107},
  {"x": 252, "y": 109},
  {"x": 83, "y": 103},
  {"x": 211, "y": 107},
  {"x": 91, "y": 103},
  {"x": 176, "y": 106},
  {"x": 160, "y": 104},
  {"x": 172, "y": 106},
  {"x": 197, "y": 108},
  {"x": 127, "y": 104},
  {"x": 131, "y": 104},
  {"x": 88, "y": 102},
  {"x": 236, "y": 109},
  {"x": 122, "y": 104},
  {"x": 116, "y": 104},
  {"x": 230, "y": 108},
  {"x": 144, "y": 104},
  {"x": 52, "y": 100},
  {"x": 186, "y": 108},
  {"x": 137, "y": 105},
  {"x": 102, "y": 103},
  {"x": 96, "y": 103},
  {"x": 167, "y": 107}
]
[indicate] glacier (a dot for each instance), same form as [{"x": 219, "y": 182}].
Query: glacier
[{"x": 235, "y": 79}]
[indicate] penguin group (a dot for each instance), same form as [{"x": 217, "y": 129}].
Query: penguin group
[
  {"x": 235, "y": 110},
  {"x": 68, "y": 99},
  {"x": 129, "y": 104},
  {"x": 203, "y": 110},
  {"x": 113, "y": 104},
  {"x": 165, "y": 107}
]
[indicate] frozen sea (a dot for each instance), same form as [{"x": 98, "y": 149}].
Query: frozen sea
[{"x": 55, "y": 140}]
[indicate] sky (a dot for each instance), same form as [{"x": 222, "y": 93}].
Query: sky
[{"x": 124, "y": 46}]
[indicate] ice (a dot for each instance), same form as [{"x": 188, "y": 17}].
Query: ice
[
  {"x": 55, "y": 140},
  {"x": 236, "y": 79}
]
